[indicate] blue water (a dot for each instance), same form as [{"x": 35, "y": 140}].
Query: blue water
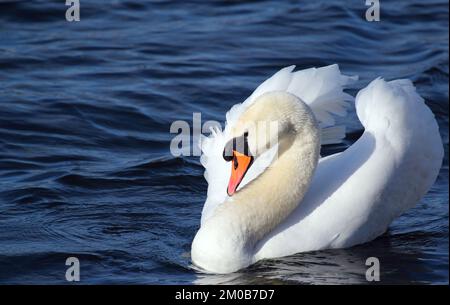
[{"x": 85, "y": 112}]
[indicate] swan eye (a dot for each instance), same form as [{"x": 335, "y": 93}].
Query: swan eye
[
  {"x": 238, "y": 144},
  {"x": 228, "y": 153}
]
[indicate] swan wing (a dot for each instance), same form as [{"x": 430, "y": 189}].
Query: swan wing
[
  {"x": 356, "y": 194},
  {"x": 321, "y": 88}
]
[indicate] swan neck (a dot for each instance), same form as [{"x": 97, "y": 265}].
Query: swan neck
[
  {"x": 269, "y": 199},
  {"x": 226, "y": 241}
]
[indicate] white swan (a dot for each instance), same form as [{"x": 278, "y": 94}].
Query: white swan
[{"x": 283, "y": 198}]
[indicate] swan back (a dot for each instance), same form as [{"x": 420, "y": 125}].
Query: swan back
[
  {"x": 398, "y": 118},
  {"x": 356, "y": 194}
]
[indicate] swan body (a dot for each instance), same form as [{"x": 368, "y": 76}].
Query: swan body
[{"x": 291, "y": 200}]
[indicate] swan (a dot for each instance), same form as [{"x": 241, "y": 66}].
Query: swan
[{"x": 270, "y": 194}]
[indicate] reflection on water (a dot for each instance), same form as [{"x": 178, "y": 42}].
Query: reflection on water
[{"x": 399, "y": 263}]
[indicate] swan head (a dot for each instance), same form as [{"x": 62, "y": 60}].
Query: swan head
[{"x": 275, "y": 118}]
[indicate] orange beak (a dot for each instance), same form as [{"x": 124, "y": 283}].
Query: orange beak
[{"x": 239, "y": 167}]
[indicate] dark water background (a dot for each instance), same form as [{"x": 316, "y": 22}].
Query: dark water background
[{"x": 85, "y": 112}]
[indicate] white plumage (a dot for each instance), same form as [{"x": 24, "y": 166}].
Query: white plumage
[{"x": 352, "y": 197}]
